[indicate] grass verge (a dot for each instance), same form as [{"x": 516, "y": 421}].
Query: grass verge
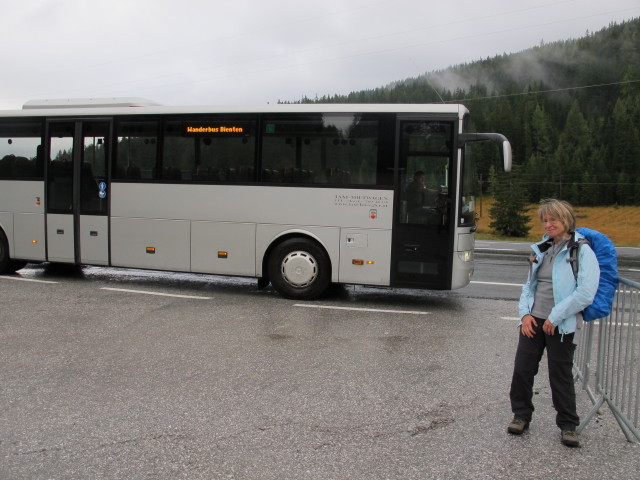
[{"x": 620, "y": 224}]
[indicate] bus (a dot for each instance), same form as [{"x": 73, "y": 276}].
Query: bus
[{"x": 297, "y": 196}]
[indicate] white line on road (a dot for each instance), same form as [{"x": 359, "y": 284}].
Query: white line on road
[
  {"x": 497, "y": 249},
  {"x": 498, "y": 283},
  {"x": 377, "y": 310},
  {"x": 21, "y": 279},
  {"x": 143, "y": 292}
]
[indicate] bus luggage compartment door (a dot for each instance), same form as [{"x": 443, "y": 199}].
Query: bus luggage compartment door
[
  {"x": 94, "y": 240},
  {"x": 60, "y": 238}
]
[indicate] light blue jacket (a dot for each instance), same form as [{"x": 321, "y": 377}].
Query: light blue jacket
[{"x": 570, "y": 296}]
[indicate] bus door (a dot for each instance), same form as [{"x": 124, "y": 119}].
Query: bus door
[
  {"x": 422, "y": 238},
  {"x": 77, "y": 191}
]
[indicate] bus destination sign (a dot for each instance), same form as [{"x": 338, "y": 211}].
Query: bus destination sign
[{"x": 215, "y": 130}]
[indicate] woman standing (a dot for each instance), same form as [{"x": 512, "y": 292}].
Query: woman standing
[{"x": 550, "y": 306}]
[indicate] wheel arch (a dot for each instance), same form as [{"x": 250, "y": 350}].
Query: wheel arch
[
  {"x": 296, "y": 234},
  {"x": 6, "y": 229},
  {"x": 7, "y": 264}
]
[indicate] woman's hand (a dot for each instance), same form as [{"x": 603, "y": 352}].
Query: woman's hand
[
  {"x": 528, "y": 326},
  {"x": 548, "y": 327}
]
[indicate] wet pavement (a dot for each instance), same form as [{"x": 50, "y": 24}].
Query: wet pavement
[{"x": 101, "y": 379}]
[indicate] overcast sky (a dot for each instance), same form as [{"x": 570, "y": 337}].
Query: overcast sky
[{"x": 215, "y": 52}]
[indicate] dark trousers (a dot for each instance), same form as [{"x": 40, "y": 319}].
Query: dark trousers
[{"x": 560, "y": 356}]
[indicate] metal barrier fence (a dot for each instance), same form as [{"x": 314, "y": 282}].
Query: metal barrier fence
[{"x": 612, "y": 345}]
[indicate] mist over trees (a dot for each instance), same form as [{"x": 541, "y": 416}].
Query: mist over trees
[{"x": 571, "y": 110}]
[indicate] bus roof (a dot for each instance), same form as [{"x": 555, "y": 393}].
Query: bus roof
[
  {"x": 138, "y": 106},
  {"x": 89, "y": 103}
]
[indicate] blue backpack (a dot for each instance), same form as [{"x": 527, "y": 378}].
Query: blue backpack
[{"x": 607, "y": 257}]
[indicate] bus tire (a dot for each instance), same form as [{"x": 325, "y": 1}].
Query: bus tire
[
  {"x": 299, "y": 269},
  {"x": 6, "y": 264}
]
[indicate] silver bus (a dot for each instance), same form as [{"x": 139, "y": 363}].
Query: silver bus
[{"x": 299, "y": 196}]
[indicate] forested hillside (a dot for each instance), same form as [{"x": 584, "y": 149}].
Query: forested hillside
[{"x": 571, "y": 110}]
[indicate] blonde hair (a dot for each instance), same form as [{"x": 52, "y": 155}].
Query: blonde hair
[{"x": 559, "y": 209}]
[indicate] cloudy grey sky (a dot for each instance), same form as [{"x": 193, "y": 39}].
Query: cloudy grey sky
[{"x": 219, "y": 52}]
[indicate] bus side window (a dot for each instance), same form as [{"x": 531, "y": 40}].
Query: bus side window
[
  {"x": 21, "y": 150},
  {"x": 227, "y": 158},
  {"x": 331, "y": 148},
  {"x": 178, "y": 153},
  {"x": 136, "y": 150},
  {"x": 209, "y": 149}
]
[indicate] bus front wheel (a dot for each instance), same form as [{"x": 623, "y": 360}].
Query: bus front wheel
[{"x": 299, "y": 269}]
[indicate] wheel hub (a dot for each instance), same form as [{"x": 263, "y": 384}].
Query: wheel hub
[{"x": 299, "y": 269}]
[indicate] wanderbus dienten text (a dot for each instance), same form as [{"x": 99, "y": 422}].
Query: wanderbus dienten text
[{"x": 300, "y": 196}]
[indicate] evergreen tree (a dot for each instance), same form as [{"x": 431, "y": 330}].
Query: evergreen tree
[
  {"x": 624, "y": 189},
  {"x": 572, "y": 155},
  {"x": 537, "y": 166},
  {"x": 509, "y": 205},
  {"x": 625, "y": 142},
  {"x": 588, "y": 190}
]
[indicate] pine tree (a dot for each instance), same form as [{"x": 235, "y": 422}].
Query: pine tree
[
  {"x": 537, "y": 166},
  {"x": 510, "y": 202},
  {"x": 624, "y": 189},
  {"x": 588, "y": 194},
  {"x": 573, "y": 153},
  {"x": 625, "y": 141}
]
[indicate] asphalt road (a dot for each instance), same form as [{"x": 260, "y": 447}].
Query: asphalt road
[
  {"x": 508, "y": 260},
  {"x": 627, "y": 256},
  {"x": 123, "y": 374}
]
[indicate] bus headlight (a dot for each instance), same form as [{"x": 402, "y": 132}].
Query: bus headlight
[{"x": 466, "y": 256}]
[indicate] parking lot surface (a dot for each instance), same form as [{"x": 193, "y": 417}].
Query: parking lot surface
[{"x": 121, "y": 374}]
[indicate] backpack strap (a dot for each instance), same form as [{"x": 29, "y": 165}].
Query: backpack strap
[{"x": 574, "y": 248}]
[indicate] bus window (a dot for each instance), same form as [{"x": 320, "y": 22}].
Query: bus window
[
  {"x": 137, "y": 148},
  {"x": 178, "y": 153},
  {"x": 426, "y": 153},
  {"x": 470, "y": 186},
  {"x": 60, "y": 168},
  {"x": 95, "y": 153},
  {"x": 321, "y": 149},
  {"x": 209, "y": 150},
  {"x": 21, "y": 151}
]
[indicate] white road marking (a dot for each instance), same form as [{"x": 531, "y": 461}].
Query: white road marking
[
  {"x": 498, "y": 283},
  {"x": 21, "y": 279},
  {"x": 376, "y": 310},
  {"x": 143, "y": 292}
]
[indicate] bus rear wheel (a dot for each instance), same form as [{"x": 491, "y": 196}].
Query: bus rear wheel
[
  {"x": 6, "y": 264},
  {"x": 299, "y": 269}
]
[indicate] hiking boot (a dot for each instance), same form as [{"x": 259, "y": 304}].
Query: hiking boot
[
  {"x": 517, "y": 426},
  {"x": 570, "y": 438}
]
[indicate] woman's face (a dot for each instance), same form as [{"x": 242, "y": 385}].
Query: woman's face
[{"x": 554, "y": 228}]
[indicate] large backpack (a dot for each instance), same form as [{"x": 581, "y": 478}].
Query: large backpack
[{"x": 607, "y": 257}]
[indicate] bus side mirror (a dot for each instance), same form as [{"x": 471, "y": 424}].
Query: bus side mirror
[
  {"x": 507, "y": 156},
  {"x": 499, "y": 139}
]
